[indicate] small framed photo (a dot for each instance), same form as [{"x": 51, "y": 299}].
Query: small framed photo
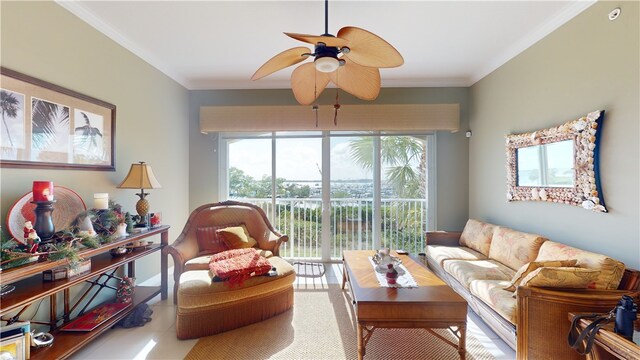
[
  {"x": 13, "y": 347},
  {"x": 155, "y": 219}
]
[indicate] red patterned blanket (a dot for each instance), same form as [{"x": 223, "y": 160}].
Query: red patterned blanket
[{"x": 236, "y": 266}]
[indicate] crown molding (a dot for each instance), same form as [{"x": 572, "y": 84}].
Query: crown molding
[
  {"x": 105, "y": 28},
  {"x": 223, "y": 84},
  {"x": 569, "y": 12}
]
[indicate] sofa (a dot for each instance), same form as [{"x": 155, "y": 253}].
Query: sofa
[
  {"x": 206, "y": 307},
  {"x": 481, "y": 261}
]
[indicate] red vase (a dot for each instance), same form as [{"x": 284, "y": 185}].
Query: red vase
[{"x": 392, "y": 274}]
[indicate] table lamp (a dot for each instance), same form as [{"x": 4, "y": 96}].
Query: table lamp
[{"x": 141, "y": 177}]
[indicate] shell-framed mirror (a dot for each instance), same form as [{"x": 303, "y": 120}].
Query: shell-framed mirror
[{"x": 558, "y": 164}]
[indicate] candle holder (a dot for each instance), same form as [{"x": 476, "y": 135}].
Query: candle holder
[{"x": 44, "y": 222}]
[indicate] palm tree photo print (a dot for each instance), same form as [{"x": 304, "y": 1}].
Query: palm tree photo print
[
  {"x": 50, "y": 131},
  {"x": 88, "y": 140},
  {"x": 13, "y": 138}
]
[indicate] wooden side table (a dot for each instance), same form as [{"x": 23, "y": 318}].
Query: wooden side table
[{"x": 609, "y": 345}]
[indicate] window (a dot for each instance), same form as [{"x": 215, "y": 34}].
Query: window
[{"x": 372, "y": 187}]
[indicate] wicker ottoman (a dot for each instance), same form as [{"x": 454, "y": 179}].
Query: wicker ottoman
[{"x": 207, "y": 308}]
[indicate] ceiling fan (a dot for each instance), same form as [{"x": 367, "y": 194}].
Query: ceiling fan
[{"x": 350, "y": 60}]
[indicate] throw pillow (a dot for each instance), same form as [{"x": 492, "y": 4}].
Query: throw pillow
[
  {"x": 528, "y": 268},
  {"x": 209, "y": 242},
  {"x": 237, "y": 237},
  {"x": 562, "y": 277}
]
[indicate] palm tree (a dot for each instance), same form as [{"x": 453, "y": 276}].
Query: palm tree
[
  {"x": 398, "y": 153},
  {"x": 10, "y": 106},
  {"x": 45, "y": 120},
  {"x": 88, "y": 133}
]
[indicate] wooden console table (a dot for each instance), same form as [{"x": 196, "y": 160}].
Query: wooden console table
[
  {"x": 609, "y": 345},
  {"x": 30, "y": 288}
]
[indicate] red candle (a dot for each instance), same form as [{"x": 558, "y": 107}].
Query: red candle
[{"x": 42, "y": 190}]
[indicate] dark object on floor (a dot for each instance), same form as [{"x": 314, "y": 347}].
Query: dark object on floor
[
  {"x": 138, "y": 317},
  {"x": 309, "y": 269}
]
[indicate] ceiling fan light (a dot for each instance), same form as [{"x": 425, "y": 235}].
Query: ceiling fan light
[{"x": 327, "y": 64}]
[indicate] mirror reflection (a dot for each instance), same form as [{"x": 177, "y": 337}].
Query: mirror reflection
[{"x": 549, "y": 165}]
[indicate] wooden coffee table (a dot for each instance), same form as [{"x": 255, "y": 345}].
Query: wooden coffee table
[{"x": 432, "y": 305}]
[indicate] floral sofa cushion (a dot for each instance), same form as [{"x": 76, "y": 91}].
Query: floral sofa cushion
[
  {"x": 441, "y": 253},
  {"x": 492, "y": 293},
  {"x": 477, "y": 236},
  {"x": 611, "y": 270},
  {"x": 515, "y": 248},
  {"x": 466, "y": 271}
]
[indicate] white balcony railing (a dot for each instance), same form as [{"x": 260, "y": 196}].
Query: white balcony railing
[{"x": 403, "y": 225}]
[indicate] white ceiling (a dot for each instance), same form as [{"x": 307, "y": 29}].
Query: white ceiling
[{"x": 220, "y": 44}]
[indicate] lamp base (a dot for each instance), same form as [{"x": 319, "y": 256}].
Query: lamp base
[{"x": 142, "y": 207}]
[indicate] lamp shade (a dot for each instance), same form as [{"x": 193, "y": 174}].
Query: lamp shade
[{"x": 140, "y": 177}]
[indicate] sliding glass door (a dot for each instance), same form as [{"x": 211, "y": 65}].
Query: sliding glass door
[
  {"x": 352, "y": 189},
  {"x": 334, "y": 191}
]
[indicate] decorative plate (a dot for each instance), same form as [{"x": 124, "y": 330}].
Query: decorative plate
[
  {"x": 5, "y": 289},
  {"x": 139, "y": 247},
  {"x": 67, "y": 206}
]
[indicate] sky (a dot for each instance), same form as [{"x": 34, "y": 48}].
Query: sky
[{"x": 298, "y": 159}]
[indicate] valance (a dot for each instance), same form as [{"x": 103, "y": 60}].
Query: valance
[{"x": 371, "y": 117}]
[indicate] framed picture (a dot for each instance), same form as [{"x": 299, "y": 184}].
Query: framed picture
[
  {"x": 155, "y": 219},
  {"x": 13, "y": 347},
  {"x": 47, "y": 126}
]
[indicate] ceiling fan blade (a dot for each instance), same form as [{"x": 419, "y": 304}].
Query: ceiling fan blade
[
  {"x": 315, "y": 39},
  {"x": 368, "y": 49},
  {"x": 281, "y": 61},
  {"x": 359, "y": 81},
  {"x": 307, "y": 83}
]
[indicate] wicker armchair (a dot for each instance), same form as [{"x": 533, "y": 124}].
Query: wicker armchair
[{"x": 186, "y": 247}]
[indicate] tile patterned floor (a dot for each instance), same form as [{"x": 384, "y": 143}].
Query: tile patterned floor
[{"x": 157, "y": 340}]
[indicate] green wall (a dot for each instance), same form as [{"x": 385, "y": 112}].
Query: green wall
[
  {"x": 43, "y": 40},
  {"x": 451, "y": 149},
  {"x": 588, "y": 64}
]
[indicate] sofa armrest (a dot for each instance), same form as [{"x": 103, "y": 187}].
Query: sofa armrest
[
  {"x": 278, "y": 239},
  {"x": 445, "y": 238},
  {"x": 542, "y": 314},
  {"x": 181, "y": 250}
]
